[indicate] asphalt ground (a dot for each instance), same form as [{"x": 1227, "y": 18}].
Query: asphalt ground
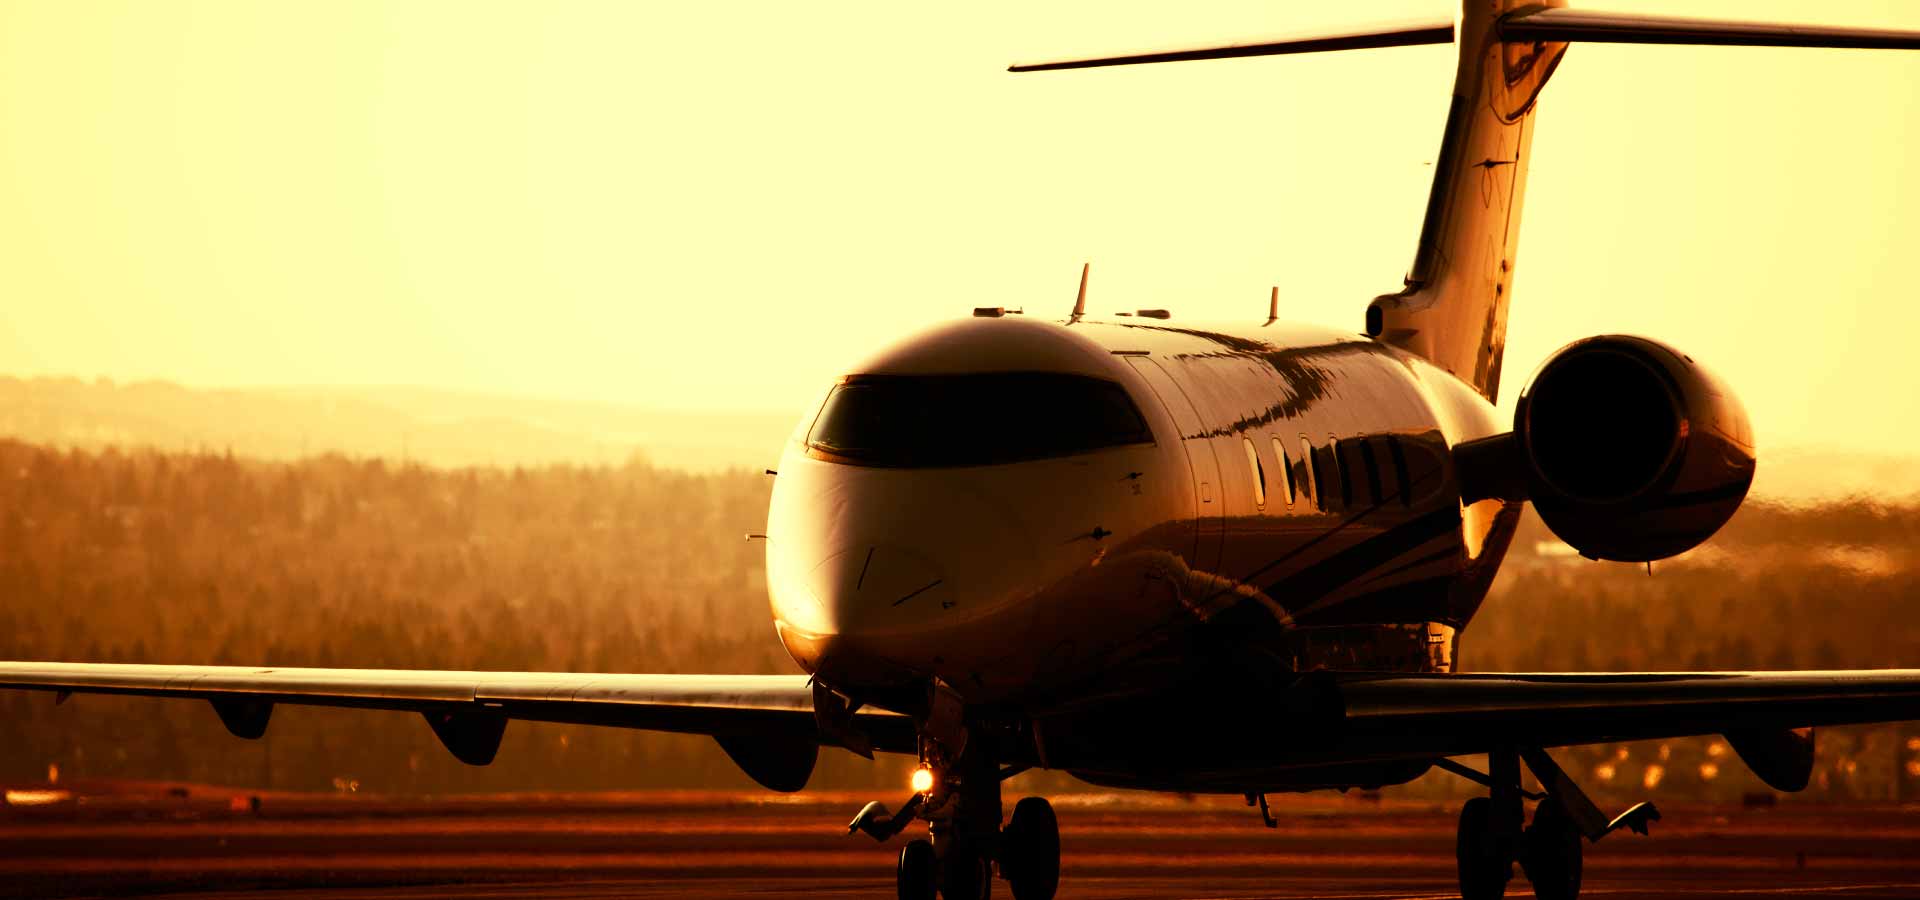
[{"x": 208, "y": 843}]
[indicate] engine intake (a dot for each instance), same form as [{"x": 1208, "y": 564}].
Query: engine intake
[
  {"x": 1603, "y": 423},
  {"x": 1629, "y": 449}
]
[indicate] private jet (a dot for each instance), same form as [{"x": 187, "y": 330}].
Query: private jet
[{"x": 1225, "y": 558}]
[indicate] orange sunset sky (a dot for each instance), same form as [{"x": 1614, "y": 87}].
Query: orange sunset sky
[{"x": 717, "y": 205}]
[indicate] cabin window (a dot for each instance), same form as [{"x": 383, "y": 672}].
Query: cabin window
[
  {"x": 1310, "y": 462},
  {"x": 1372, "y": 464},
  {"x": 1340, "y": 472},
  {"x": 1286, "y": 469},
  {"x": 1257, "y": 471},
  {"x": 972, "y": 420},
  {"x": 1400, "y": 478}
]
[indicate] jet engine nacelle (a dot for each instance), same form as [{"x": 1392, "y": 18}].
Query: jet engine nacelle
[
  {"x": 1629, "y": 450},
  {"x": 1634, "y": 451}
]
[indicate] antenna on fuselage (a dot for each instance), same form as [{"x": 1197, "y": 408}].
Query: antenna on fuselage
[
  {"x": 1273, "y": 306},
  {"x": 1080, "y": 302}
]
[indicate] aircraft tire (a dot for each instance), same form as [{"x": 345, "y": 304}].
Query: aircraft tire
[
  {"x": 1484, "y": 866},
  {"x": 915, "y": 876},
  {"x": 965, "y": 875},
  {"x": 1030, "y": 850},
  {"x": 1552, "y": 854}
]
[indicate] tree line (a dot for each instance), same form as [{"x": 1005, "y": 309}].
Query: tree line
[{"x": 143, "y": 556}]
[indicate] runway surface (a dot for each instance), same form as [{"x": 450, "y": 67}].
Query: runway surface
[{"x": 210, "y": 843}]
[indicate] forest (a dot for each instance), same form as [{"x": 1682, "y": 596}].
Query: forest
[{"x": 145, "y": 556}]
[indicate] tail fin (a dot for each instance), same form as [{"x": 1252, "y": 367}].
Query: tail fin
[{"x": 1453, "y": 309}]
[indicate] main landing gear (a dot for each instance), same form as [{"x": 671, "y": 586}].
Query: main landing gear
[
  {"x": 1491, "y": 837},
  {"x": 960, "y": 801}
]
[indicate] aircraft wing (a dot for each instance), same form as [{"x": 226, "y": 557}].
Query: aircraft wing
[
  {"x": 1448, "y": 715},
  {"x": 469, "y": 710}
]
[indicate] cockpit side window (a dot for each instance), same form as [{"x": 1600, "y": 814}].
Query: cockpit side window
[{"x": 929, "y": 421}]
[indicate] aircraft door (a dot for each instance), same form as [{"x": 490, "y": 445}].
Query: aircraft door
[{"x": 1204, "y": 467}]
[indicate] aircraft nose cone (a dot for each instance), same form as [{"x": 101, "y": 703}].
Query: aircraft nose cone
[
  {"x": 870, "y": 599},
  {"x": 871, "y": 589},
  {"x": 878, "y": 576}
]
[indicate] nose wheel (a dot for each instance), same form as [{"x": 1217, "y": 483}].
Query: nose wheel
[
  {"x": 1030, "y": 850},
  {"x": 966, "y": 874},
  {"x": 917, "y": 872}
]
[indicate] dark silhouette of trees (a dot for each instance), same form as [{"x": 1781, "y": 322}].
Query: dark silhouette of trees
[{"x": 139, "y": 556}]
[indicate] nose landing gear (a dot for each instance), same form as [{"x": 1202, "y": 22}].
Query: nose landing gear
[{"x": 962, "y": 809}]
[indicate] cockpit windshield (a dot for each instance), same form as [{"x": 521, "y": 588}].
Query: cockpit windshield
[{"x": 928, "y": 421}]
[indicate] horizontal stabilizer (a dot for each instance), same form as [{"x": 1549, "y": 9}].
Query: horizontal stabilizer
[
  {"x": 1401, "y": 34},
  {"x": 1634, "y": 28},
  {"x": 1545, "y": 25}
]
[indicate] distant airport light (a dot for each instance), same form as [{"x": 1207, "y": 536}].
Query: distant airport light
[{"x": 922, "y": 780}]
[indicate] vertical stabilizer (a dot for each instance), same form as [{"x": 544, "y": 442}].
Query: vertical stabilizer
[{"x": 1453, "y": 310}]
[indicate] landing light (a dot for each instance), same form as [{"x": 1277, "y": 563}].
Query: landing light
[{"x": 922, "y": 780}]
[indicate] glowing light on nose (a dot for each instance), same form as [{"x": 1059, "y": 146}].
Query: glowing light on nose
[{"x": 922, "y": 780}]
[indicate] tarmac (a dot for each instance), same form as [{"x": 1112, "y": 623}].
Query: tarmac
[{"x": 203, "y": 842}]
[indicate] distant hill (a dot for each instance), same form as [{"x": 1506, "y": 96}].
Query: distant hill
[
  {"x": 453, "y": 428},
  {"x": 441, "y": 428}
]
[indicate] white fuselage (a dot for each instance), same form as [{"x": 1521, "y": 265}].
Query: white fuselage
[{"x": 1292, "y": 482}]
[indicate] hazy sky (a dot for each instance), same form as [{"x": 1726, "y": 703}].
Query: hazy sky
[{"x": 717, "y": 204}]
